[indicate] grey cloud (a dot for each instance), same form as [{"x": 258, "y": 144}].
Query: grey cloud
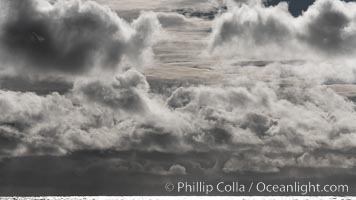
[
  {"x": 38, "y": 85},
  {"x": 251, "y": 162},
  {"x": 256, "y": 119},
  {"x": 327, "y": 27},
  {"x": 119, "y": 133},
  {"x": 258, "y": 162},
  {"x": 94, "y": 173},
  {"x": 272, "y": 123},
  {"x": 260, "y": 124},
  {"x": 177, "y": 169},
  {"x": 123, "y": 93},
  {"x": 173, "y": 19},
  {"x": 96, "y": 115},
  {"x": 70, "y": 36},
  {"x": 246, "y": 124}
]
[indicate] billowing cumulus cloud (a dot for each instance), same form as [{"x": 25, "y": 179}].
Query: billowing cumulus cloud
[
  {"x": 123, "y": 93},
  {"x": 96, "y": 115},
  {"x": 264, "y": 127},
  {"x": 327, "y": 27},
  {"x": 70, "y": 36}
]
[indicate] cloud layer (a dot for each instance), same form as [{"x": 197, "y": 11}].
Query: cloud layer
[
  {"x": 264, "y": 127},
  {"x": 241, "y": 124}
]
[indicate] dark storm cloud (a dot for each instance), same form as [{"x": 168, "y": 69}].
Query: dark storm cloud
[
  {"x": 69, "y": 36},
  {"x": 39, "y": 86},
  {"x": 134, "y": 173}
]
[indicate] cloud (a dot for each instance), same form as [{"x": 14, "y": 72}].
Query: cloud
[
  {"x": 242, "y": 124},
  {"x": 329, "y": 26},
  {"x": 326, "y": 28},
  {"x": 71, "y": 37},
  {"x": 173, "y": 19},
  {"x": 263, "y": 126},
  {"x": 275, "y": 123},
  {"x": 177, "y": 169},
  {"x": 254, "y": 163},
  {"x": 97, "y": 114},
  {"x": 123, "y": 93}
]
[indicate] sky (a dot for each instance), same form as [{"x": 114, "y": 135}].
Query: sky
[{"x": 120, "y": 97}]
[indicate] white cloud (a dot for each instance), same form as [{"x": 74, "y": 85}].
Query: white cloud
[
  {"x": 252, "y": 30},
  {"x": 253, "y": 119}
]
